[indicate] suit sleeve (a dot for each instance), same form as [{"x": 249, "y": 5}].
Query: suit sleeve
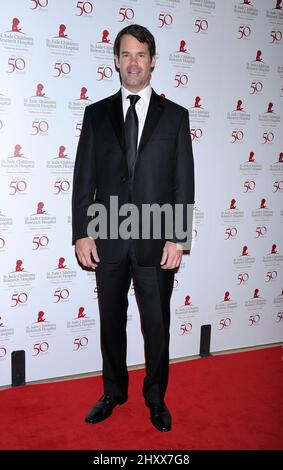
[
  {"x": 84, "y": 180},
  {"x": 184, "y": 186}
]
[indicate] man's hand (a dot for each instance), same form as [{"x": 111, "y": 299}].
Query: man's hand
[
  {"x": 172, "y": 255},
  {"x": 85, "y": 247}
]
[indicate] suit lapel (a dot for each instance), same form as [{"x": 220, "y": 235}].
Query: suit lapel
[
  {"x": 117, "y": 118},
  {"x": 155, "y": 110}
]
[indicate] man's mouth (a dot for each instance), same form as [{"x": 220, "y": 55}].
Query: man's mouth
[{"x": 133, "y": 72}]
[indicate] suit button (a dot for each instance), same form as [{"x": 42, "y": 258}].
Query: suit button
[{"x": 123, "y": 178}]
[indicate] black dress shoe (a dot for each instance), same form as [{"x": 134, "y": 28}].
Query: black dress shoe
[
  {"x": 103, "y": 409},
  {"x": 160, "y": 417}
]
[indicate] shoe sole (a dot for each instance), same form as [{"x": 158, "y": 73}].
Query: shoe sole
[
  {"x": 92, "y": 421},
  {"x": 88, "y": 421},
  {"x": 160, "y": 429}
]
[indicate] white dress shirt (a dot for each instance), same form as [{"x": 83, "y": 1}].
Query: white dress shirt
[{"x": 141, "y": 106}]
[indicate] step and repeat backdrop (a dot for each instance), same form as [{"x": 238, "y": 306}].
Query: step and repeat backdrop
[{"x": 223, "y": 60}]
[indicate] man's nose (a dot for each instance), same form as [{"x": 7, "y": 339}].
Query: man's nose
[{"x": 133, "y": 60}]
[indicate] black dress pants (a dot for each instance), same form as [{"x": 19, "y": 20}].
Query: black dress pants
[{"x": 153, "y": 289}]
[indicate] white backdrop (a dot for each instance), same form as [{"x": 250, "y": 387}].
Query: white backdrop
[{"x": 222, "y": 60}]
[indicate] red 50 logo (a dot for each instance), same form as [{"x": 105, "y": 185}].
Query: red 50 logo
[
  {"x": 224, "y": 323},
  {"x": 40, "y": 242},
  {"x": 231, "y": 232},
  {"x": 165, "y": 19},
  {"x": 126, "y": 14},
  {"x": 279, "y": 317},
  {"x": 260, "y": 231},
  {"x": 270, "y": 276},
  {"x": 245, "y": 31},
  {"x": 62, "y": 68},
  {"x": 84, "y": 8},
  {"x": 104, "y": 72},
  {"x": 237, "y": 136},
  {"x": 267, "y": 136},
  {"x": 61, "y": 186},
  {"x": 2, "y": 242},
  {"x": 80, "y": 343},
  {"x": 19, "y": 298},
  {"x": 249, "y": 185},
  {"x": 181, "y": 80},
  {"x": 61, "y": 294},
  {"x": 40, "y": 127},
  {"x": 278, "y": 186},
  {"x": 39, "y": 3},
  {"x": 254, "y": 319},
  {"x": 201, "y": 25},
  {"x": 276, "y": 36},
  {"x": 79, "y": 128},
  {"x": 17, "y": 186},
  {"x": 196, "y": 133},
  {"x": 16, "y": 64},
  {"x": 185, "y": 328},
  {"x": 40, "y": 348},
  {"x": 243, "y": 278},
  {"x": 3, "y": 352},
  {"x": 256, "y": 87}
]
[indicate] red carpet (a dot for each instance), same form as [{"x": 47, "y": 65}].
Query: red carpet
[{"x": 230, "y": 401}]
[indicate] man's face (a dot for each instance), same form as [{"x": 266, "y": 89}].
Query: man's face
[{"x": 134, "y": 63}]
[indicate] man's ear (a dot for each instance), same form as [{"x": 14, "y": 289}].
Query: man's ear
[
  {"x": 153, "y": 62},
  {"x": 117, "y": 63}
]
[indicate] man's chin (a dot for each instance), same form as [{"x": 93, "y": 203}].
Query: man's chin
[
  {"x": 134, "y": 87},
  {"x": 133, "y": 82}
]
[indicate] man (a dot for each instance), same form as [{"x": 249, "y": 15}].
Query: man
[{"x": 134, "y": 145}]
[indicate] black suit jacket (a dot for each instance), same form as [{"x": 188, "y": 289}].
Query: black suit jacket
[{"x": 163, "y": 170}]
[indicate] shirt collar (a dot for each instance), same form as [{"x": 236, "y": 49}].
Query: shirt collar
[{"x": 145, "y": 93}]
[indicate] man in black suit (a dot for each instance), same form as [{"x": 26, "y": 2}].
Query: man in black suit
[{"x": 134, "y": 145}]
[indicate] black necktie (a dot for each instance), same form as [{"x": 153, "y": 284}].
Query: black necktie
[{"x": 131, "y": 130}]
